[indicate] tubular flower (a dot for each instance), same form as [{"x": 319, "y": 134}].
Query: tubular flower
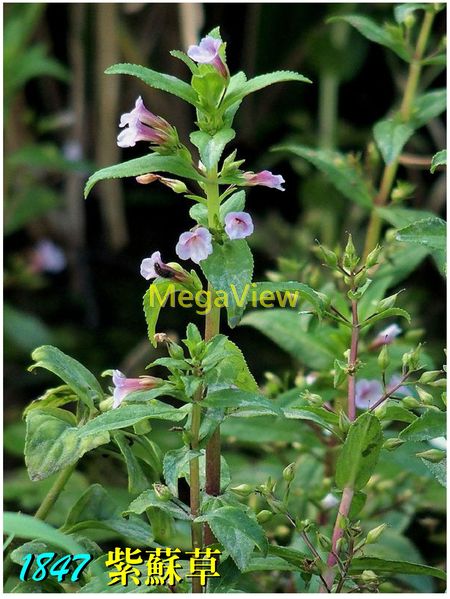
[
  {"x": 238, "y": 225},
  {"x": 207, "y": 52},
  {"x": 142, "y": 125},
  {"x": 123, "y": 386},
  {"x": 265, "y": 178},
  {"x": 386, "y": 336},
  {"x": 195, "y": 245},
  {"x": 154, "y": 267}
]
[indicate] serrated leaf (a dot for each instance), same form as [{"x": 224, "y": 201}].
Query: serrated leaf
[
  {"x": 167, "y": 83},
  {"x": 54, "y": 442},
  {"x": 237, "y": 532},
  {"x": 229, "y": 269},
  {"x": 359, "y": 564},
  {"x": 377, "y": 34},
  {"x": 237, "y": 399},
  {"x": 385, "y": 314},
  {"x": 174, "y": 463},
  {"x": 321, "y": 416},
  {"x": 344, "y": 176},
  {"x": 429, "y": 232},
  {"x": 360, "y": 452},
  {"x": 401, "y": 217},
  {"x": 439, "y": 159},
  {"x": 431, "y": 424},
  {"x": 211, "y": 146},
  {"x": 390, "y": 137},
  {"x": 261, "y": 81},
  {"x": 282, "y": 289},
  {"x": 224, "y": 366},
  {"x": 439, "y": 470},
  {"x": 82, "y": 382},
  {"x": 149, "y": 499},
  {"x": 151, "y": 163},
  {"x": 127, "y": 415}
]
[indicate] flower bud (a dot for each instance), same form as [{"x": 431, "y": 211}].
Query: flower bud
[
  {"x": 372, "y": 258},
  {"x": 432, "y": 455},
  {"x": 429, "y": 376},
  {"x": 391, "y": 444},
  {"x": 368, "y": 576},
  {"x": 410, "y": 402},
  {"x": 263, "y": 516},
  {"x": 411, "y": 359},
  {"x": 374, "y": 534},
  {"x": 243, "y": 490},
  {"x": 289, "y": 473},
  {"x": 439, "y": 383},
  {"x": 361, "y": 278},
  {"x": 174, "y": 184},
  {"x": 106, "y": 404},
  {"x": 425, "y": 397},
  {"x": 312, "y": 398},
  {"x": 303, "y": 525},
  {"x": 328, "y": 257},
  {"x": 162, "y": 492},
  {"x": 387, "y": 302},
  {"x": 324, "y": 541},
  {"x": 383, "y": 358},
  {"x": 380, "y": 411}
]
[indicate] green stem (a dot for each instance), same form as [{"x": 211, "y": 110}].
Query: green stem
[
  {"x": 390, "y": 170},
  {"x": 212, "y": 328},
  {"x": 43, "y": 511},
  {"x": 194, "y": 471}
]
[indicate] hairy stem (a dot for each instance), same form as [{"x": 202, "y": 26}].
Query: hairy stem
[{"x": 390, "y": 170}]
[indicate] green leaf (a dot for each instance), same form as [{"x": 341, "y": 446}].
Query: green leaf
[
  {"x": 298, "y": 290},
  {"x": 431, "y": 424},
  {"x": 80, "y": 379},
  {"x": 402, "y": 11},
  {"x": 96, "y": 510},
  {"x": 149, "y": 499},
  {"x": 53, "y": 441},
  {"x": 428, "y": 106},
  {"x": 343, "y": 175},
  {"x": 429, "y": 232},
  {"x": 375, "y": 33},
  {"x": 390, "y": 137},
  {"x": 229, "y": 269},
  {"x": 439, "y": 159},
  {"x": 174, "y": 463},
  {"x": 161, "y": 81},
  {"x": 127, "y": 415},
  {"x": 321, "y": 416},
  {"x": 359, "y": 564},
  {"x": 137, "y": 481},
  {"x": 151, "y": 163},
  {"x": 211, "y": 146},
  {"x": 401, "y": 217},
  {"x": 292, "y": 556},
  {"x": 261, "y": 81},
  {"x": 160, "y": 291},
  {"x": 385, "y": 314},
  {"x": 284, "y": 327},
  {"x": 235, "y": 203},
  {"x": 199, "y": 213},
  {"x": 396, "y": 412},
  {"x": 237, "y": 532},
  {"x": 439, "y": 470},
  {"x": 254, "y": 403},
  {"x": 224, "y": 365},
  {"x": 359, "y": 454}
]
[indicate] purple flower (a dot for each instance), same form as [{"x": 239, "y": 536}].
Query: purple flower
[
  {"x": 386, "y": 336},
  {"x": 367, "y": 392},
  {"x": 46, "y": 256},
  {"x": 124, "y": 386},
  {"x": 207, "y": 52},
  {"x": 238, "y": 225},
  {"x": 142, "y": 125},
  {"x": 265, "y": 178},
  {"x": 195, "y": 245},
  {"x": 154, "y": 267}
]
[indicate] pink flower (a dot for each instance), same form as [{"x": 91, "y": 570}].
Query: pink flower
[
  {"x": 207, "y": 52},
  {"x": 238, "y": 225},
  {"x": 386, "y": 336},
  {"x": 196, "y": 245},
  {"x": 154, "y": 267},
  {"x": 46, "y": 256},
  {"x": 124, "y": 386},
  {"x": 367, "y": 392},
  {"x": 142, "y": 125},
  {"x": 265, "y": 178}
]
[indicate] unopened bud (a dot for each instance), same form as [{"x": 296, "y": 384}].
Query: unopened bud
[
  {"x": 374, "y": 534},
  {"x": 425, "y": 397},
  {"x": 263, "y": 516},
  {"x": 174, "y": 184},
  {"x": 391, "y": 444},
  {"x": 410, "y": 402},
  {"x": 350, "y": 259},
  {"x": 360, "y": 278},
  {"x": 387, "y": 302},
  {"x": 312, "y": 398},
  {"x": 328, "y": 257},
  {"x": 303, "y": 525},
  {"x": 289, "y": 473},
  {"x": 162, "y": 492},
  {"x": 106, "y": 404},
  {"x": 429, "y": 376},
  {"x": 324, "y": 541},
  {"x": 380, "y": 411},
  {"x": 383, "y": 358},
  {"x": 432, "y": 455},
  {"x": 368, "y": 576},
  {"x": 243, "y": 490},
  {"x": 372, "y": 258},
  {"x": 439, "y": 383},
  {"x": 146, "y": 179}
]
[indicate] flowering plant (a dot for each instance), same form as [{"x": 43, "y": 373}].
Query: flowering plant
[{"x": 208, "y": 385}]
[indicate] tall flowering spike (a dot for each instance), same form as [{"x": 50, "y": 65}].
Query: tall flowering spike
[
  {"x": 265, "y": 178},
  {"x": 142, "y": 125},
  {"x": 386, "y": 336},
  {"x": 154, "y": 267},
  {"x": 367, "y": 393},
  {"x": 123, "y": 386},
  {"x": 238, "y": 225},
  {"x": 207, "y": 52},
  {"x": 195, "y": 245}
]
